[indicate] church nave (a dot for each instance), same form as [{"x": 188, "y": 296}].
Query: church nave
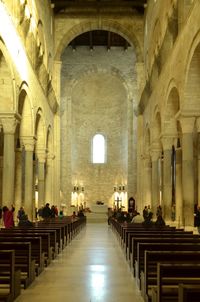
[{"x": 91, "y": 268}]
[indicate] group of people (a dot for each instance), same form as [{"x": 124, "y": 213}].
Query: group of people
[
  {"x": 46, "y": 212},
  {"x": 8, "y": 217},
  {"x": 135, "y": 217}
]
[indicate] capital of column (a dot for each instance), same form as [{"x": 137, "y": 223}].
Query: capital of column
[
  {"x": 9, "y": 125},
  {"x": 167, "y": 142},
  {"x": 155, "y": 153},
  {"x": 42, "y": 156},
  {"x": 28, "y": 143},
  {"x": 187, "y": 124},
  {"x": 50, "y": 156}
]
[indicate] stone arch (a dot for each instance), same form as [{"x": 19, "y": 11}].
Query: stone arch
[
  {"x": 7, "y": 87},
  {"x": 113, "y": 71},
  {"x": 40, "y": 131},
  {"x": 108, "y": 25},
  {"x": 26, "y": 112},
  {"x": 171, "y": 109},
  {"x": 191, "y": 99}
]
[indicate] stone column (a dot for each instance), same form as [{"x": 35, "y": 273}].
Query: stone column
[
  {"x": 49, "y": 179},
  {"x": 155, "y": 154},
  {"x": 18, "y": 179},
  {"x": 179, "y": 199},
  {"x": 9, "y": 126},
  {"x": 41, "y": 178},
  {"x": 187, "y": 125},
  {"x": 167, "y": 177},
  {"x": 147, "y": 180},
  {"x": 57, "y": 129},
  {"x": 29, "y": 206}
]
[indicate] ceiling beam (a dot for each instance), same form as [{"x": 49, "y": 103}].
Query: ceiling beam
[{"x": 99, "y": 4}]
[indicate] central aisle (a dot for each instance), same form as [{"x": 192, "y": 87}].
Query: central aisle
[{"x": 91, "y": 269}]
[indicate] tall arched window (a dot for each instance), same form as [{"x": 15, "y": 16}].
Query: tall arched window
[{"x": 98, "y": 149}]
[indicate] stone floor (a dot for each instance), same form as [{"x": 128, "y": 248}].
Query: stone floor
[{"x": 91, "y": 269}]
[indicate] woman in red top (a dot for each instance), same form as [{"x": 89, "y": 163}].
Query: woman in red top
[{"x": 8, "y": 218}]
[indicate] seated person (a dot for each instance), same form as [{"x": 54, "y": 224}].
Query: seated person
[
  {"x": 24, "y": 222},
  {"x": 137, "y": 218}
]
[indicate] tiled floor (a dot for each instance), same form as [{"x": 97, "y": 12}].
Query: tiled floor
[{"x": 91, "y": 269}]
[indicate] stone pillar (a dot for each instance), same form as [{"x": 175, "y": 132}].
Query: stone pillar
[
  {"x": 167, "y": 177},
  {"x": 179, "y": 199},
  {"x": 9, "y": 126},
  {"x": 18, "y": 179},
  {"x": 57, "y": 129},
  {"x": 147, "y": 180},
  {"x": 41, "y": 178},
  {"x": 155, "y": 154},
  {"x": 28, "y": 196},
  {"x": 49, "y": 180},
  {"x": 187, "y": 125}
]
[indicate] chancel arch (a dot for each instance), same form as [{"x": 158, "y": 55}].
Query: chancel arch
[{"x": 108, "y": 25}]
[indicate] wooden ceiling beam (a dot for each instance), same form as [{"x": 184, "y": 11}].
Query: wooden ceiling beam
[{"x": 98, "y": 4}]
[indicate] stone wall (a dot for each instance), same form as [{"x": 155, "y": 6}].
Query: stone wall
[{"x": 95, "y": 99}]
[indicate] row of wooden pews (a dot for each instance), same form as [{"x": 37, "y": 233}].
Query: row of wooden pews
[
  {"x": 165, "y": 261},
  {"x": 26, "y": 251}
]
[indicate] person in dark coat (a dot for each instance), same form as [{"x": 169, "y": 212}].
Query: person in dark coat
[
  {"x": 46, "y": 213},
  {"x": 197, "y": 219}
]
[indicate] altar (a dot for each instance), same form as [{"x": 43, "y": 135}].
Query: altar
[
  {"x": 98, "y": 214},
  {"x": 99, "y": 208}
]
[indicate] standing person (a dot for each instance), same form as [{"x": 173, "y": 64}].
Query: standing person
[
  {"x": 0, "y": 214},
  {"x": 197, "y": 219},
  {"x": 159, "y": 211},
  {"x": 46, "y": 213},
  {"x": 20, "y": 213},
  {"x": 40, "y": 213},
  {"x": 8, "y": 217},
  {"x": 145, "y": 213}
]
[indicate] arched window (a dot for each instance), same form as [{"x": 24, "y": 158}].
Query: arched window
[{"x": 98, "y": 149}]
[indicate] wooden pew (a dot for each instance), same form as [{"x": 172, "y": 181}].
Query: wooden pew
[
  {"x": 188, "y": 293},
  {"x": 23, "y": 260},
  {"x": 131, "y": 230},
  {"x": 176, "y": 238},
  {"x": 171, "y": 247},
  {"x": 132, "y": 237},
  {"x": 36, "y": 248},
  {"x": 49, "y": 245},
  {"x": 9, "y": 277},
  {"x": 169, "y": 276}
]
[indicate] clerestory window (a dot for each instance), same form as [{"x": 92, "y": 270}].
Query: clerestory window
[{"x": 98, "y": 149}]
